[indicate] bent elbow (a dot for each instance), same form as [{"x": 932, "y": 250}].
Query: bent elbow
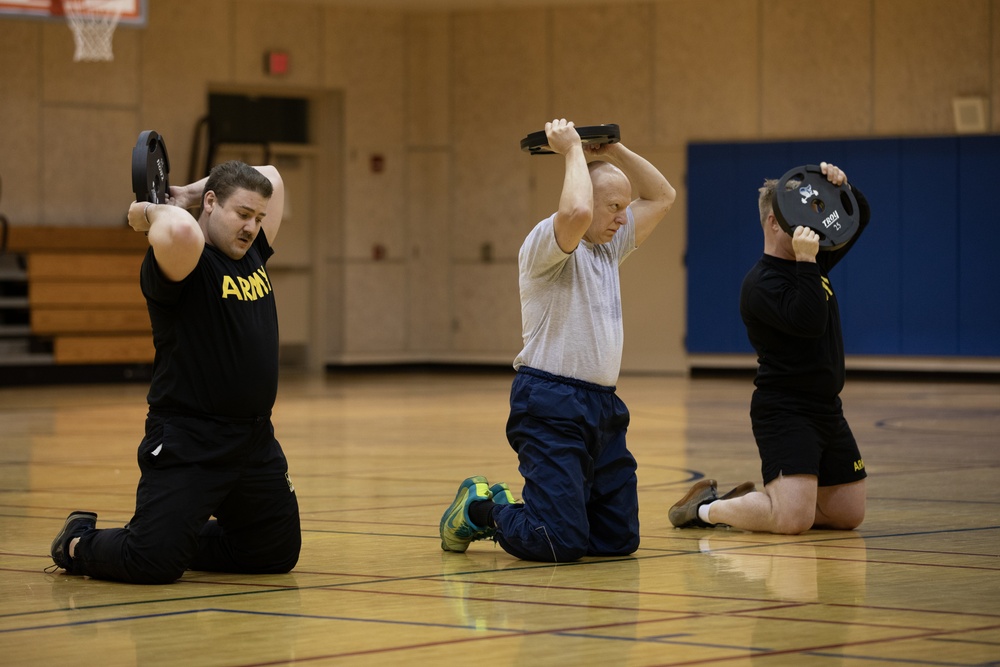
[
  {"x": 579, "y": 216},
  {"x": 187, "y": 235},
  {"x": 669, "y": 196},
  {"x": 665, "y": 200},
  {"x": 272, "y": 174}
]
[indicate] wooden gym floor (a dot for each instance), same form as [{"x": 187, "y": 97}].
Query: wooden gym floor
[{"x": 376, "y": 458}]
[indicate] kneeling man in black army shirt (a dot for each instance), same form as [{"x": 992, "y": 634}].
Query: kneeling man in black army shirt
[{"x": 214, "y": 492}]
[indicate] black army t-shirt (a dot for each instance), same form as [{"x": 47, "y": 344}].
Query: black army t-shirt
[{"x": 215, "y": 333}]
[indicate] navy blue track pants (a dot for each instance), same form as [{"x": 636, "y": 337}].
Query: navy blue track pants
[{"x": 579, "y": 477}]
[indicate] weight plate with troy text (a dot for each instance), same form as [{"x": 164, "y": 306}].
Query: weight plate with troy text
[{"x": 805, "y": 198}]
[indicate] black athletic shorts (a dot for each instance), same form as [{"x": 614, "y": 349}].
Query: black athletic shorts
[{"x": 804, "y": 436}]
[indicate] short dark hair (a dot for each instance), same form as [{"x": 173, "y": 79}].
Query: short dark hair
[{"x": 226, "y": 178}]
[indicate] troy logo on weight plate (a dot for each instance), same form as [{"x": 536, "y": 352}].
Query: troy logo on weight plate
[{"x": 808, "y": 193}]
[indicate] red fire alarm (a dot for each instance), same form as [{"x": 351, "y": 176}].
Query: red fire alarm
[{"x": 276, "y": 62}]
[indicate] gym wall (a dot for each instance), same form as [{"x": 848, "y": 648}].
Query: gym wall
[
  {"x": 444, "y": 97},
  {"x": 917, "y": 283}
]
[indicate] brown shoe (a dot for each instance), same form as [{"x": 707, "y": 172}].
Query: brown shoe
[
  {"x": 684, "y": 513},
  {"x": 741, "y": 490}
]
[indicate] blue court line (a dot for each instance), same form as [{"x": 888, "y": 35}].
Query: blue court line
[
  {"x": 658, "y": 639},
  {"x": 525, "y": 566},
  {"x": 355, "y": 619},
  {"x": 368, "y": 532},
  {"x": 321, "y": 617},
  {"x": 670, "y": 640},
  {"x": 937, "y": 501},
  {"x": 974, "y": 642},
  {"x": 450, "y": 626},
  {"x": 95, "y": 621},
  {"x": 418, "y": 577},
  {"x": 898, "y": 661},
  {"x": 285, "y": 589},
  {"x": 676, "y": 551},
  {"x": 141, "y": 617},
  {"x": 185, "y": 598},
  {"x": 662, "y": 639},
  {"x": 921, "y": 533}
]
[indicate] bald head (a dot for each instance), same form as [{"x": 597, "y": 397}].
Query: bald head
[{"x": 604, "y": 174}]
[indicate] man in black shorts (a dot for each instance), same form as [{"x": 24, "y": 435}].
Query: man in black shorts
[
  {"x": 813, "y": 473},
  {"x": 209, "y": 448}
]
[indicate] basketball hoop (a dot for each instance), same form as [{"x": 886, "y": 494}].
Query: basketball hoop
[{"x": 93, "y": 24}]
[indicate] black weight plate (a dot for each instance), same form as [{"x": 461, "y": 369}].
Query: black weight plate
[
  {"x": 830, "y": 210},
  {"x": 150, "y": 168},
  {"x": 537, "y": 143}
]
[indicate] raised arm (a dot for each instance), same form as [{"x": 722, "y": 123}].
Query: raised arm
[
  {"x": 654, "y": 194},
  {"x": 190, "y": 196},
  {"x": 275, "y": 206},
  {"x": 576, "y": 203},
  {"x": 175, "y": 236}
]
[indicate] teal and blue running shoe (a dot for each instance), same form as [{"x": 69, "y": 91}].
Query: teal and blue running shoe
[
  {"x": 501, "y": 495},
  {"x": 457, "y": 529}
]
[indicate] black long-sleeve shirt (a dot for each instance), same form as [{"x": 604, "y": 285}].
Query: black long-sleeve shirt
[{"x": 793, "y": 320}]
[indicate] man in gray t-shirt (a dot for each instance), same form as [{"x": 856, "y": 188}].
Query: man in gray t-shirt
[{"x": 566, "y": 423}]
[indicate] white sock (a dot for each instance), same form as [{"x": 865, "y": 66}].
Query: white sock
[{"x": 703, "y": 512}]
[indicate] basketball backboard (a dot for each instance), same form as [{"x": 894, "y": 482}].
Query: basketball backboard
[{"x": 133, "y": 12}]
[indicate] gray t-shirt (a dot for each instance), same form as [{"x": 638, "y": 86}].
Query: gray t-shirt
[{"x": 571, "y": 308}]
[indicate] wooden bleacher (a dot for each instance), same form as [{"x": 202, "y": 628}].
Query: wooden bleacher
[{"x": 83, "y": 292}]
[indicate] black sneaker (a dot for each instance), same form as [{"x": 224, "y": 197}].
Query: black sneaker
[{"x": 77, "y": 524}]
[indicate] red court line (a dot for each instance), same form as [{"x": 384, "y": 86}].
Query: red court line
[{"x": 521, "y": 635}]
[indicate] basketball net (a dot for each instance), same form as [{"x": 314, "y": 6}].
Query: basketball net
[{"x": 93, "y": 24}]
